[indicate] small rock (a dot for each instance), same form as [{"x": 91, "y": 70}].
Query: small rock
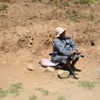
[
  {"x": 63, "y": 74},
  {"x": 98, "y": 71},
  {"x": 30, "y": 67},
  {"x": 50, "y": 69}
]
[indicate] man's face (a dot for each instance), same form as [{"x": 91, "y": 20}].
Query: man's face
[{"x": 63, "y": 35}]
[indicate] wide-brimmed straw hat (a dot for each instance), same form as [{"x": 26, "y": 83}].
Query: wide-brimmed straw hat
[{"x": 59, "y": 31}]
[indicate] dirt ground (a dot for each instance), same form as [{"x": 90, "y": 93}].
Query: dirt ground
[{"x": 27, "y": 31}]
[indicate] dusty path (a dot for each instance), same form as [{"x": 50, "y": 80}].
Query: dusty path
[{"x": 15, "y": 72}]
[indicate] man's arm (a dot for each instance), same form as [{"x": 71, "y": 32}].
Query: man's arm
[
  {"x": 73, "y": 45},
  {"x": 74, "y": 48}
]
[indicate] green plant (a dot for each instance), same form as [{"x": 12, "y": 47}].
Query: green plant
[
  {"x": 3, "y": 92},
  {"x": 3, "y": 6},
  {"x": 36, "y": 0},
  {"x": 33, "y": 97},
  {"x": 87, "y": 84},
  {"x": 98, "y": 1},
  {"x": 61, "y": 98},
  {"x": 44, "y": 92},
  {"x": 72, "y": 15},
  {"x": 14, "y": 88},
  {"x": 84, "y": 1},
  {"x": 66, "y": 4}
]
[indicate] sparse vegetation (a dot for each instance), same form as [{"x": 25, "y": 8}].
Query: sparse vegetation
[
  {"x": 44, "y": 92},
  {"x": 13, "y": 89},
  {"x": 3, "y": 92},
  {"x": 61, "y": 98},
  {"x": 87, "y": 84},
  {"x": 3, "y": 6},
  {"x": 33, "y": 97},
  {"x": 36, "y": 0},
  {"x": 72, "y": 15},
  {"x": 66, "y": 4},
  {"x": 22, "y": 21},
  {"x": 86, "y": 1}
]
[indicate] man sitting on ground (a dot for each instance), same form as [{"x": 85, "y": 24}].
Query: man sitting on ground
[{"x": 65, "y": 51}]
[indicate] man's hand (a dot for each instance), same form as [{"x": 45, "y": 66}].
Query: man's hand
[{"x": 74, "y": 52}]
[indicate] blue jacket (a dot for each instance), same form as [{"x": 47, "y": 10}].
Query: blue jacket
[{"x": 63, "y": 47}]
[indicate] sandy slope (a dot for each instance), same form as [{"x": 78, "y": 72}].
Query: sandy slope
[{"x": 24, "y": 21}]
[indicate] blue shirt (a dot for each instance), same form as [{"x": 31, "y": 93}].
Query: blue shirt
[{"x": 64, "y": 47}]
